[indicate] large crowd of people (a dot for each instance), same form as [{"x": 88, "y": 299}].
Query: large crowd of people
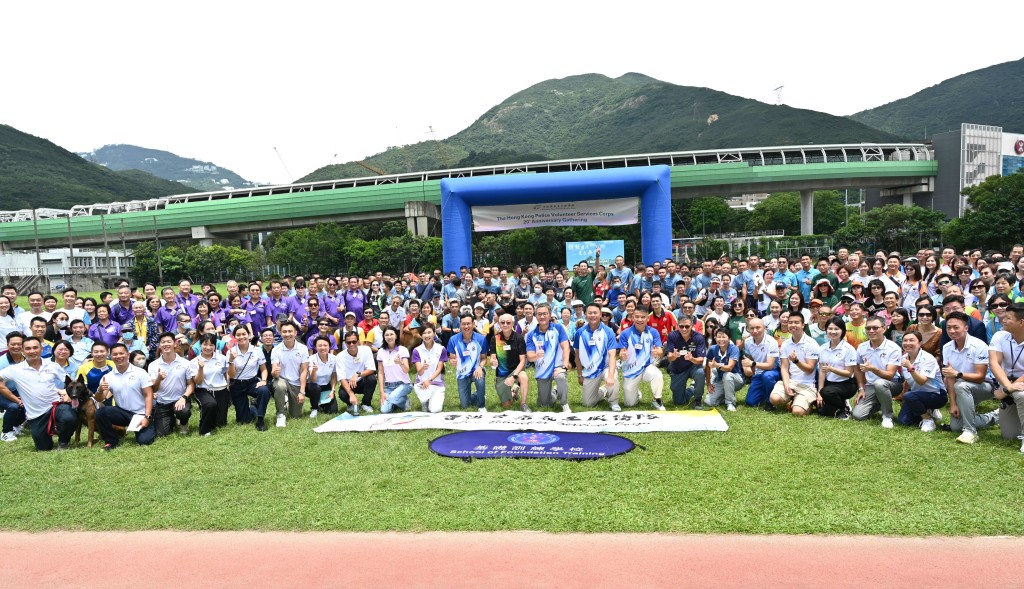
[{"x": 848, "y": 335}]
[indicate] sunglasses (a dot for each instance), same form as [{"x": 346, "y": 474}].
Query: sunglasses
[
  {"x": 999, "y": 305},
  {"x": 978, "y": 286},
  {"x": 823, "y": 314},
  {"x": 927, "y": 315},
  {"x": 944, "y": 283}
]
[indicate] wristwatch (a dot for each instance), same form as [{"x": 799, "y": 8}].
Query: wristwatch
[
  {"x": 149, "y": 417},
  {"x": 960, "y": 375}
]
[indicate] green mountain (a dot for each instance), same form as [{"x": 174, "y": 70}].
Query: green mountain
[
  {"x": 199, "y": 175},
  {"x": 593, "y": 115},
  {"x": 989, "y": 96},
  {"x": 36, "y": 173}
]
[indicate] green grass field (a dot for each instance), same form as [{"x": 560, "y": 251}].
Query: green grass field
[{"x": 770, "y": 473}]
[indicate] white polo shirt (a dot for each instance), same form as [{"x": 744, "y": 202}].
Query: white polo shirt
[
  {"x": 760, "y": 352},
  {"x": 926, "y": 365},
  {"x": 348, "y": 365},
  {"x": 1013, "y": 353},
  {"x": 886, "y": 354},
  {"x": 842, "y": 356},
  {"x": 247, "y": 365},
  {"x": 173, "y": 386},
  {"x": 39, "y": 389},
  {"x": 806, "y": 349},
  {"x": 973, "y": 353},
  {"x": 127, "y": 388},
  {"x": 214, "y": 372},
  {"x": 324, "y": 369},
  {"x": 291, "y": 360}
]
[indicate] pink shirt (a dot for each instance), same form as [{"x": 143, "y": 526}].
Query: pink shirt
[{"x": 392, "y": 363}]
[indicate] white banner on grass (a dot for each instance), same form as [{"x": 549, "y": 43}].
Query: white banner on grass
[
  {"x": 613, "y": 211},
  {"x": 586, "y": 421}
]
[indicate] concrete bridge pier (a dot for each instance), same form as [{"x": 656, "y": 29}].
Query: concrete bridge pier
[
  {"x": 203, "y": 236},
  {"x": 806, "y": 212},
  {"x": 418, "y": 215}
]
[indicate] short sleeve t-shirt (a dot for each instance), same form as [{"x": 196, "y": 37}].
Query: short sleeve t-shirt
[
  {"x": 291, "y": 361},
  {"x": 592, "y": 347},
  {"x": 636, "y": 350},
  {"x": 842, "y": 356},
  {"x": 508, "y": 351},
  {"x": 437, "y": 354},
  {"x": 468, "y": 354},
  {"x": 391, "y": 362},
  {"x": 550, "y": 341},
  {"x": 806, "y": 349}
]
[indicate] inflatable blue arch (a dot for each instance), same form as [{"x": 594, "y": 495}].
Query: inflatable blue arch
[{"x": 652, "y": 184}]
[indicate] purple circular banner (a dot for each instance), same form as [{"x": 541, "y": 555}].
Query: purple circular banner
[{"x": 506, "y": 444}]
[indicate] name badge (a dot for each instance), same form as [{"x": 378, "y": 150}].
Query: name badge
[
  {"x": 506, "y": 347},
  {"x": 638, "y": 346},
  {"x": 592, "y": 342},
  {"x": 467, "y": 353},
  {"x": 389, "y": 362}
]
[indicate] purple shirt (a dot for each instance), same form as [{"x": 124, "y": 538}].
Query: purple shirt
[
  {"x": 121, "y": 314},
  {"x": 257, "y": 315},
  {"x": 188, "y": 304},
  {"x": 330, "y": 305},
  {"x": 274, "y": 307},
  {"x": 168, "y": 318},
  {"x": 355, "y": 301},
  {"x": 108, "y": 335}
]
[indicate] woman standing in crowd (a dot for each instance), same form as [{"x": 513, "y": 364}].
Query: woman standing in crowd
[
  {"x": 899, "y": 322},
  {"x": 717, "y": 310},
  {"x": 152, "y": 306},
  {"x": 57, "y": 327},
  {"x": 204, "y": 314},
  {"x": 63, "y": 355},
  {"x": 393, "y": 373},
  {"x": 736, "y": 324},
  {"x": 796, "y": 304},
  {"x": 913, "y": 288},
  {"x": 376, "y": 299},
  {"x": 930, "y": 336},
  {"x": 823, "y": 292},
  {"x": 836, "y": 362},
  {"x": 771, "y": 320},
  {"x": 996, "y": 313},
  {"x": 876, "y": 297},
  {"x": 764, "y": 290},
  {"x": 103, "y": 328},
  {"x": 844, "y": 284},
  {"x": 89, "y": 306}
]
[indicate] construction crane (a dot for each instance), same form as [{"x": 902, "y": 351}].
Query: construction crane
[
  {"x": 377, "y": 171},
  {"x": 440, "y": 148}
]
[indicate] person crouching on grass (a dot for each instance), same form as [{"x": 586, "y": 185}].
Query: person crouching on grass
[
  {"x": 922, "y": 386},
  {"x": 799, "y": 356}
]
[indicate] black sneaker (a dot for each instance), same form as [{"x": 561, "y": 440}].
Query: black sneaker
[
  {"x": 658, "y": 405},
  {"x": 108, "y": 447},
  {"x": 63, "y": 447},
  {"x": 261, "y": 425},
  {"x": 698, "y": 405}
]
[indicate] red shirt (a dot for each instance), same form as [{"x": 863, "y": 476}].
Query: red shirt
[{"x": 663, "y": 324}]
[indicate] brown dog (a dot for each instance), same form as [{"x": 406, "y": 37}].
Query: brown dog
[{"x": 85, "y": 404}]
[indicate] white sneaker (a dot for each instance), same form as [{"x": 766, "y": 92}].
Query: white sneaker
[
  {"x": 730, "y": 407},
  {"x": 616, "y": 408},
  {"x": 967, "y": 437},
  {"x": 1021, "y": 438},
  {"x": 367, "y": 409},
  {"x": 994, "y": 416},
  {"x": 408, "y": 404},
  {"x": 927, "y": 425},
  {"x": 886, "y": 422},
  {"x": 9, "y": 437},
  {"x": 281, "y": 419},
  {"x": 207, "y": 434},
  {"x": 482, "y": 410},
  {"x": 937, "y": 415},
  {"x": 566, "y": 408},
  {"x": 313, "y": 413}
]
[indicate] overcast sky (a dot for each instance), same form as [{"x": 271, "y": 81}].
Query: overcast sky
[{"x": 332, "y": 82}]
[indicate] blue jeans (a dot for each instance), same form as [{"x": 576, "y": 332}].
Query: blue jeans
[
  {"x": 761, "y": 386},
  {"x": 397, "y": 393},
  {"x": 466, "y": 396},
  {"x": 677, "y": 384},
  {"x": 241, "y": 390},
  {"x": 917, "y": 403},
  {"x": 14, "y": 415}
]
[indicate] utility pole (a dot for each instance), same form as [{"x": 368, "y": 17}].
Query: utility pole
[
  {"x": 159, "y": 261},
  {"x": 35, "y": 232},
  {"x": 71, "y": 256},
  {"x": 106, "y": 245}
]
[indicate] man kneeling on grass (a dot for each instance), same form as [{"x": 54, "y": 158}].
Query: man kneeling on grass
[
  {"x": 41, "y": 386},
  {"x": 799, "y": 359},
  {"x": 132, "y": 389}
]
